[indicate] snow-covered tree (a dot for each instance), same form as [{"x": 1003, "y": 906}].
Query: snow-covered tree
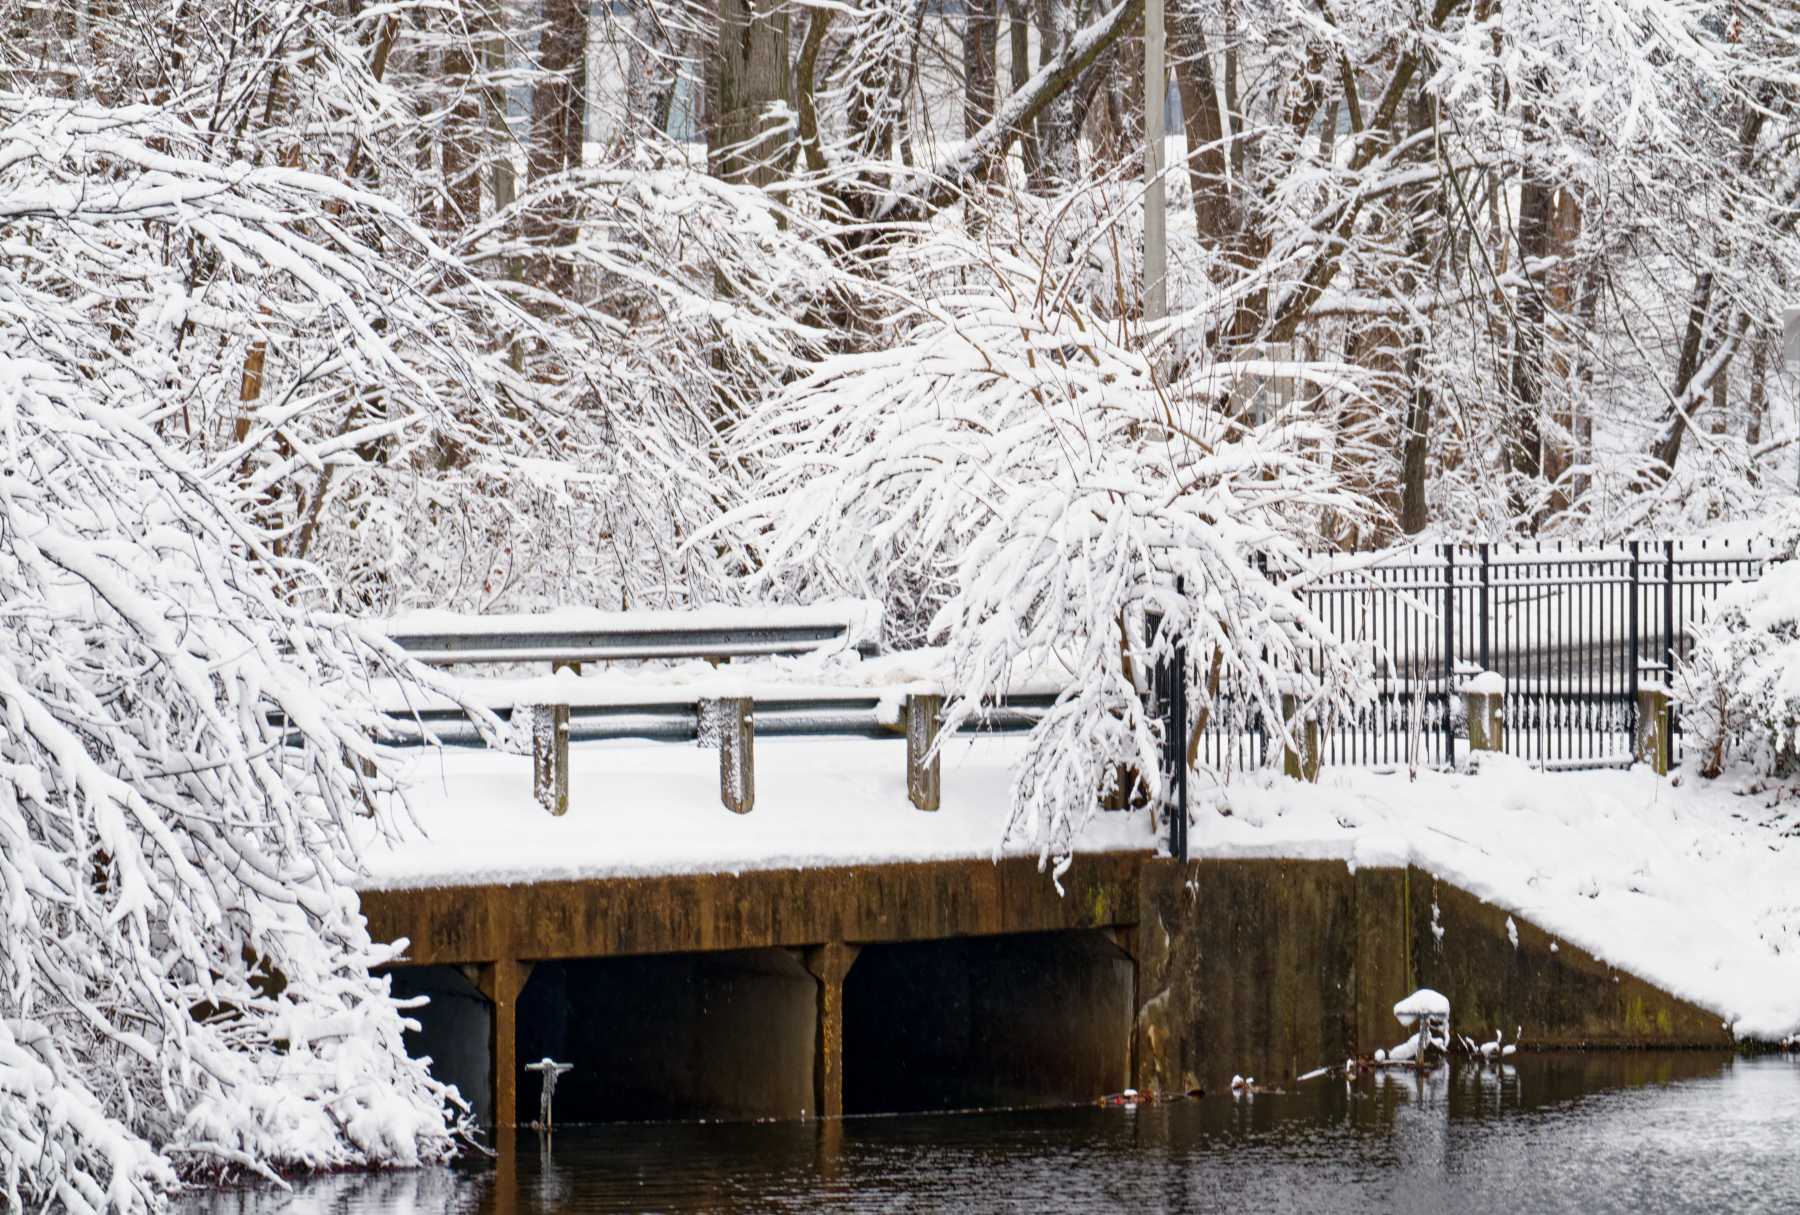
[
  {"x": 1005, "y": 461},
  {"x": 185, "y": 980},
  {"x": 184, "y": 974}
]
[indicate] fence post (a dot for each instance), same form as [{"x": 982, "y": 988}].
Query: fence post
[
  {"x": 1177, "y": 734},
  {"x": 550, "y": 757},
  {"x": 1483, "y": 655},
  {"x": 1449, "y": 652},
  {"x": 1631, "y": 633},
  {"x": 924, "y": 779},
  {"x": 1653, "y": 729},
  {"x": 1669, "y": 609},
  {"x": 1485, "y": 699},
  {"x": 1304, "y": 763}
]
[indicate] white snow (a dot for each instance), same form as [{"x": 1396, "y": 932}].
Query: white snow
[
  {"x": 1488, "y": 683},
  {"x": 1687, "y": 885},
  {"x": 1422, "y": 1003},
  {"x": 860, "y": 617},
  {"x": 648, "y": 808}
]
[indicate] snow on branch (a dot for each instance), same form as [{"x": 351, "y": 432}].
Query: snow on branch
[{"x": 1021, "y": 459}]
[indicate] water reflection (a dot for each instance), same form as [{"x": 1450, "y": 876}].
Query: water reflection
[{"x": 1638, "y": 1132}]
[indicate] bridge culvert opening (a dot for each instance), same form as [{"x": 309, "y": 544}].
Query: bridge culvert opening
[
  {"x": 982, "y": 1022},
  {"x": 726, "y": 1035},
  {"x": 454, "y": 1031}
]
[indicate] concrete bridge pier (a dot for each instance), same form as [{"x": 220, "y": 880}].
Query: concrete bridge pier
[
  {"x": 502, "y": 982},
  {"x": 830, "y": 965}
]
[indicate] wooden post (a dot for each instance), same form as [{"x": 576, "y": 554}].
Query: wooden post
[
  {"x": 550, "y": 757},
  {"x": 736, "y": 718},
  {"x": 924, "y": 779},
  {"x": 1484, "y": 698},
  {"x": 1653, "y": 729},
  {"x": 829, "y": 964},
  {"x": 1304, "y": 763},
  {"x": 501, "y": 982}
]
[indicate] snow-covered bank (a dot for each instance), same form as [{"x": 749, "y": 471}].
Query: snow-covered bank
[{"x": 1689, "y": 885}]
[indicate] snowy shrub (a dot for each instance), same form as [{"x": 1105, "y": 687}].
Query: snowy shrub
[{"x": 1739, "y": 687}]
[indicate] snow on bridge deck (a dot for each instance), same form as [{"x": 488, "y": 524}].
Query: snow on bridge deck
[
  {"x": 639, "y": 809},
  {"x": 1694, "y": 886}
]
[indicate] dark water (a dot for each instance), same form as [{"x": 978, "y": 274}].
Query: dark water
[{"x": 1628, "y": 1132}]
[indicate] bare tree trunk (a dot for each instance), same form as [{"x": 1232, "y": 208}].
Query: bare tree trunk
[
  {"x": 1536, "y": 195},
  {"x": 461, "y": 143},
  {"x": 558, "y": 128},
  {"x": 1205, "y": 126},
  {"x": 1058, "y": 166},
  {"x": 751, "y": 63},
  {"x": 981, "y": 25},
  {"x": 1759, "y": 353},
  {"x": 1019, "y": 29}
]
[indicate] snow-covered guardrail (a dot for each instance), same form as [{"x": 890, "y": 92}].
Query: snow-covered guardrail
[
  {"x": 576, "y": 635},
  {"x": 720, "y": 708}
]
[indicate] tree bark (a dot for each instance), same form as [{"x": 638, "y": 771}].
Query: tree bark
[
  {"x": 1019, "y": 30},
  {"x": 981, "y": 25},
  {"x": 558, "y": 127},
  {"x": 460, "y": 205},
  {"x": 1057, "y": 165},
  {"x": 751, "y": 62},
  {"x": 1205, "y": 127},
  {"x": 1525, "y": 434}
]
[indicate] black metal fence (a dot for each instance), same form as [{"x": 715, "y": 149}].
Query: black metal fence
[{"x": 1576, "y": 630}]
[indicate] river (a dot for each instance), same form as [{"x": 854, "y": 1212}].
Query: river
[{"x": 1638, "y": 1132}]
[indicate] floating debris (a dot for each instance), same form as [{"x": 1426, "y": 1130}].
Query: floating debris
[{"x": 1132, "y": 1096}]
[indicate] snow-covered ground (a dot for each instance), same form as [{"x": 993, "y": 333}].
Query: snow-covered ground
[{"x": 1691, "y": 885}]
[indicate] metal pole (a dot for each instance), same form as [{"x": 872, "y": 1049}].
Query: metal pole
[
  {"x": 1668, "y": 734},
  {"x": 1178, "y": 727},
  {"x": 1631, "y": 659},
  {"x": 1155, "y": 294},
  {"x": 1790, "y": 360},
  {"x": 1484, "y": 609},
  {"x": 1449, "y": 654}
]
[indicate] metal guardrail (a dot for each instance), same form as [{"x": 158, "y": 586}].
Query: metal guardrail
[
  {"x": 856, "y": 717},
  {"x": 633, "y": 641}
]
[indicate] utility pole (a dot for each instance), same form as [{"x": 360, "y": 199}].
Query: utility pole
[
  {"x": 1790, "y": 357},
  {"x": 1155, "y": 287}
]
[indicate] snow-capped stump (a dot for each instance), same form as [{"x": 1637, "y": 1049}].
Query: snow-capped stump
[
  {"x": 1430, "y": 1011},
  {"x": 1435, "y": 1006},
  {"x": 1484, "y": 696}
]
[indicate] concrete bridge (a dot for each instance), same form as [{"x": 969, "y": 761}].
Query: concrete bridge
[
  {"x": 841, "y": 950},
  {"x": 966, "y": 983}
]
